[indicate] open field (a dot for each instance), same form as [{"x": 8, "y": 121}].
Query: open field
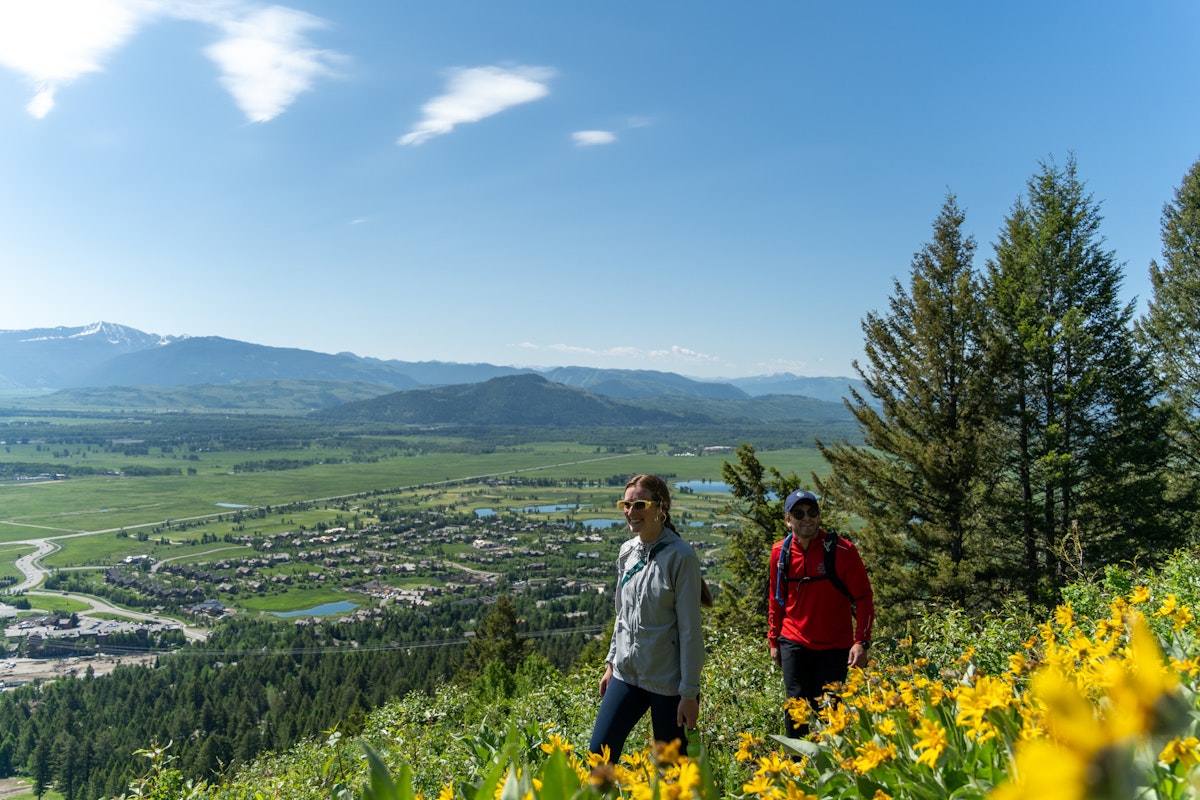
[{"x": 126, "y": 494}]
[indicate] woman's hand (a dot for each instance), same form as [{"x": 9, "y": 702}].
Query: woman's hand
[
  {"x": 605, "y": 678},
  {"x": 688, "y": 715}
]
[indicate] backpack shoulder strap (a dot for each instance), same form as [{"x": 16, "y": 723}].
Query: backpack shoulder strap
[{"x": 831, "y": 543}]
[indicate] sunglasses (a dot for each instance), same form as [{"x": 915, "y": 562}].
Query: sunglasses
[
  {"x": 636, "y": 505},
  {"x": 800, "y": 512}
]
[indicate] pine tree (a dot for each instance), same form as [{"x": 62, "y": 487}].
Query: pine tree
[
  {"x": 758, "y": 494},
  {"x": 1171, "y": 333},
  {"x": 1086, "y": 443},
  {"x": 496, "y": 639},
  {"x": 921, "y": 480}
]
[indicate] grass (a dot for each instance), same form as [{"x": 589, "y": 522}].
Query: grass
[
  {"x": 113, "y": 512},
  {"x": 299, "y": 599}
]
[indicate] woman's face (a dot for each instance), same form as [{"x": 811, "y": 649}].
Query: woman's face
[{"x": 645, "y": 522}]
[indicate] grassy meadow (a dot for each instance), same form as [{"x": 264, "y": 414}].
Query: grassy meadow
[{"x": 100, "y": 515}]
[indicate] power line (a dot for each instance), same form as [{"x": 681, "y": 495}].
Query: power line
[{"x": 118, "y": 650}]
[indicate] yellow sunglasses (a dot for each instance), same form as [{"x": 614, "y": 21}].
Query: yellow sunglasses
[{"x": 636, "y": 505}]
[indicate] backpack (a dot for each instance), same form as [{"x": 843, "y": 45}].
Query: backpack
[{"x": 785, "y": 561}]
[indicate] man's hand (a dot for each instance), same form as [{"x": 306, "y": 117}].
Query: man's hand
[{"x": 858, "y": 656}]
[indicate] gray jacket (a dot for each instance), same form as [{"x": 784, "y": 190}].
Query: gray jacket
[{"x": 657, "y": 642}]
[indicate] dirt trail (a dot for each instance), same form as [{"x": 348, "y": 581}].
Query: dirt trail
[{"x": 14, "y": 787}]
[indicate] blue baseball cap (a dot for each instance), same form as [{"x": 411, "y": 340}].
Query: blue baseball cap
[{"x": 797, "y": 497}]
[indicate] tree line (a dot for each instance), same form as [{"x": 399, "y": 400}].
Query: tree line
[{"x": 1021, "y": 428}]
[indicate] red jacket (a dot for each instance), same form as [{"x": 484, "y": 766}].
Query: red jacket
[{"x": 817, "y": 614}]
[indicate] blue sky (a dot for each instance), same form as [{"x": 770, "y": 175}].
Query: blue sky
[{"x": 711, "y": 188}]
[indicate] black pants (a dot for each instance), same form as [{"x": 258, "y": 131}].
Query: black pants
[{"x": 805, "y": 674}]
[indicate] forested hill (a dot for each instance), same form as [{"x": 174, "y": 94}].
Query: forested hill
[{"x": 525, "y": 400}]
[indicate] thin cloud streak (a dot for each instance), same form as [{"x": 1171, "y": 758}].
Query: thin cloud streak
[
  {"x": 637, "y": 353},
  {"x": 476, "y": 93},
  {"x": 588, "y": 138}
]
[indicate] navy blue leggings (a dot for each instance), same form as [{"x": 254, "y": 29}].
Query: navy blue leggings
[{"x": 623, "y": 705}]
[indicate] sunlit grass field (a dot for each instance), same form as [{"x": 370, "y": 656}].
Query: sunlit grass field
[{"x": 98, "y": 520}]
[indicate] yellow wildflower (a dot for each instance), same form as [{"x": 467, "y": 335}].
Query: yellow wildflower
[
  {"x": 1183, "y": 617},
  {"x": 837, "y": 719},
  {"x": 1168, "y": 606},
  {"x": 447, "y": 792},
  {"x": 886, "y": 726},
  {"x": 871, "y": 754},
  {"x": 745, "y": 742},
  {"x": 1045, "y": 771},
  {"x": 603, "y": 757},
  {"x": 1069, "y": 716},
  {"x": 772, "y": 764},
  {"x": 931, "y": 742},
  {"x": 794, "y": 792},
  {"x": 880, "y": 794},
  {"x": 975, "y": 701},
  {"x": 1064, "y": 617},
  {"x": 1187, "y": 666},
  {"x": 760, "y": 785},
  {"x": 641, "y": 791},
  {"x": 556, "y": 743},
  {"x": 667, "y": 752},
  {"x": 689, "y": 777},
  {"x": 798, "y": 710},
  {"x": 1141, "y": 594},
  {"x": 1185, "y": 751}
]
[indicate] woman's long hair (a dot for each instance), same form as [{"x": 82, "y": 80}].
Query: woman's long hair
[{"x": 661, "y": 494}]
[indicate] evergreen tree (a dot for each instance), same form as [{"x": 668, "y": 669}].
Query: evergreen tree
[
  {"x": 496, "y": 639},
  {"x": 1171, "y": 332},
  {"x": 758, "y": 494},
  {"x": 1083, "y": 486},
  {"x": 921, "y": 480}
]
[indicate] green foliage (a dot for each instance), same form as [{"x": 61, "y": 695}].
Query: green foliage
[
  {"x": 757, "y": 493},
  {"x": 1083, "y": 438},
  {"x": 429, "y": 744},
  {"x": 920, "y": 483},
  {"x": 1171, "y": 335}
]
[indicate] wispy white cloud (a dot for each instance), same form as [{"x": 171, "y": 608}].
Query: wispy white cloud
[
  {"x": 264, "y": 55},
  {"x": 266, "y": 61},
  {"x": 586, "y": 138},
  {"x": 672, "y": 353},
  {"x": 55, "y": 42},
  {"x": 475, "y": 93}
]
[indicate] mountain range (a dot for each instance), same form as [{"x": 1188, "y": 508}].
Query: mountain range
[{"x": 111, "y": 365}]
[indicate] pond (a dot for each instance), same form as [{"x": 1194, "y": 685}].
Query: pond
[
  {"x": 324, "y": 610},
  {"x": 602, "y": 523},
  {"x": 713, "y": 487}
]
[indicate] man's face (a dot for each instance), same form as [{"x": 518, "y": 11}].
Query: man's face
[{"x": 804, "y": 520}]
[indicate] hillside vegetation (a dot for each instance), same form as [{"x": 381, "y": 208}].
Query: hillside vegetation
[{"x": 1099, "y": 700}]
